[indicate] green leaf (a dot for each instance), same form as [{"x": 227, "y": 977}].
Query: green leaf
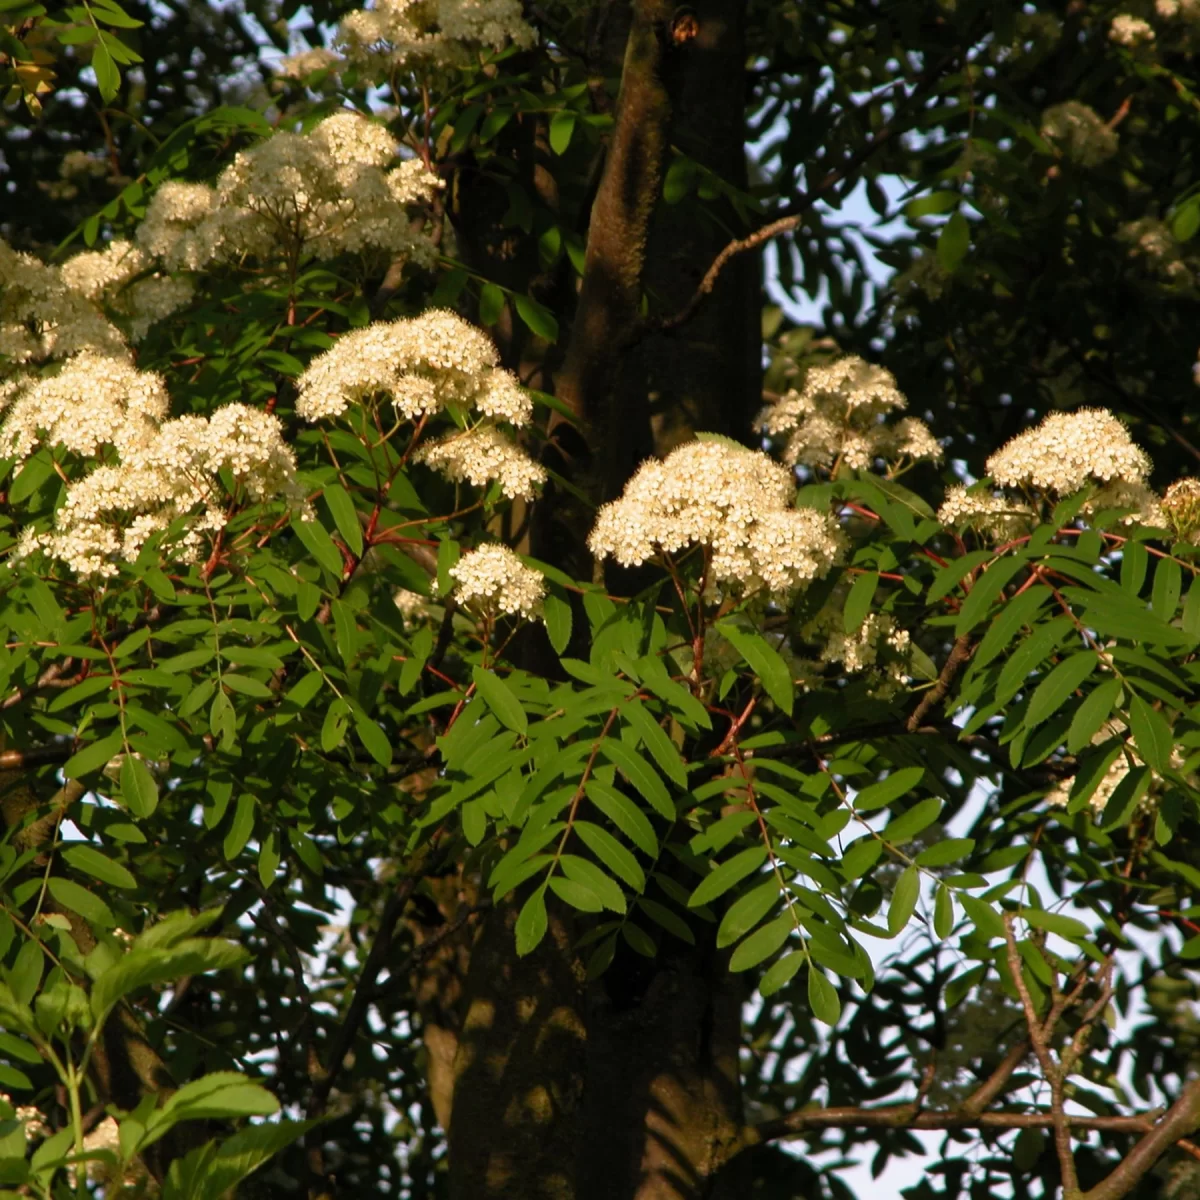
[
  {"x": 625, "y": 815},
  {"x": 641, "y": 774},
  {"x": 78, "y": 899},
  {"x": 906, "y": 826},
  {"x": 374, "y": 739},
  {"x": 982, "y": 915},
  {"x": 217, "y": 1175},
  {"x": 491, "y": 303},
  {"x": 984, "y": 591},
  {"x": 345, "y": 517},
  {"x": 897, "y": 784},
  {"x": 1017, "y": 612},
  {"x": 1151, "y": 734},
  {"x": 904, "y": 900},
  {"x": 765, "y": 661},
  {"x": 861, "y": 857},
  {"x": 730, "y": 872},
  {"x": 947, "y": 851},
  {"x": 823, "y": 997},
  {"x": 858, "y": 600},
  {"x": 581, "y": 870},
  {"x": 501, "y": 699},
  {"x": 89, "y": 861},
  {"x": 746, "y": 912},
  {"x": 314, "y": 538},
  {"x": 611, "y": 853},
  {"x": 1168, "y": 582},
  {"x": 1064, "y": 926},
  {"x": 538, "y": 317},
  {"x": 577, "y": 895},
  {"x": 94, "y": 756},
  {"x": 562, "y": 126},
  {"x": 556, "y": 610},
  {"x": 1096, "y": 708},
  {"x": 139, "y": 789},
  {"x": 761, "y": 944},
  {"x": 333, "y": 727},
  {"x": 531, "y": 922},
  {"x": 1054, "y": 689},
  {"x": 953, "y": 243},
  {"x": 146, "y": 966},
  {"x": 662, "y": 749},
  {"x": 781, "y": 972},
  {"x": 108, "y": 78},
  {"x": 268, "y": 860},
  {"x": 943, "y": 912},
  {"x": 241, "y": 829}
]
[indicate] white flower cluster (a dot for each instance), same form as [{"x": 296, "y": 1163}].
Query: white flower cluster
[
  {"x": 308, "y": 62},
  {"x": 1185, "y": 10},
  {"x": 482, "y": 454},
  {"x": 398, "y": 34},
  {"x": 42, "y": 318},
  {"x": 33, "y": 1119},
  {"x": 493, "y": 580},
  {"x": 1181, "y": 509},
  {"x": 1080, "y": 133},
  {"x": 733, "y": 501},
  {"x": 166, "y": 469},
  {"x": 878, "y": 647},
  {"x": 1127, "y": 30},
  {"x": 111, "y": 277},
  {"x": 49, "y": 312},
  {"x": 422, "y": 364},
  {"x": 1059, "y": 795},
  {"x": 1068, "y": 450},
  {"x": 997, "y": 516},
  {"x": 838, "y": 417},
  {"x": 1160, "y": 252},
  {"x": 95, "y": 401},
  {"x": 336, "y": 190}
]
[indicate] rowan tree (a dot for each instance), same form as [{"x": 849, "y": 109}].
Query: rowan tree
[{"x": 494, "y": 706}]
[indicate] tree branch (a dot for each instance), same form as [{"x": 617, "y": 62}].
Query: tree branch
[
  {"x": 1182, "y": 1118},
  {"x": 794, "y": 215},
  {"x": 960, "y": 652}
]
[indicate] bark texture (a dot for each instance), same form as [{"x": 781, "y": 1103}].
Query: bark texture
[{"x": 628, "y": 1087}]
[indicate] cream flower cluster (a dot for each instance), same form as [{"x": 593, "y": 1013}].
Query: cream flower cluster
[
  {"x": 41, "y": 318},
  {"x": 306, "y": 62},
  {"x": 111, "y": 277},
  {"x": 838, "y": 417},
  {"x": 1068, "y": 450},
  {"x": 1059, "y": 796},
  {"x": 997, "y": 516},
  {"x": 95, "y": 401},
  {"x": 1181, "y": 508},
  {"x": 733, "y": 501},
  {"x": 1080, "y": 133},
  {"x": 876, "y": 648},
  {"x": 1159, "y": 251},
  {"x": 399, "y": 34},
  {"x": 482, "y": 454},
  {"x": 336, "y": 190},
  {"x": 422, "y": 364},
  {"x": 493, "y": 580},
  {"x": 103, "y": 408},
  {"x": 1127, "y": 30}
]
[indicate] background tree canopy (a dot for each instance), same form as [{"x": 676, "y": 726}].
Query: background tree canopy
[{"x": 492, "y": 707}]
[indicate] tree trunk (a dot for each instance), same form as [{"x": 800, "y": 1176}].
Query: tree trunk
[{"x": 627, "y": 1087}]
